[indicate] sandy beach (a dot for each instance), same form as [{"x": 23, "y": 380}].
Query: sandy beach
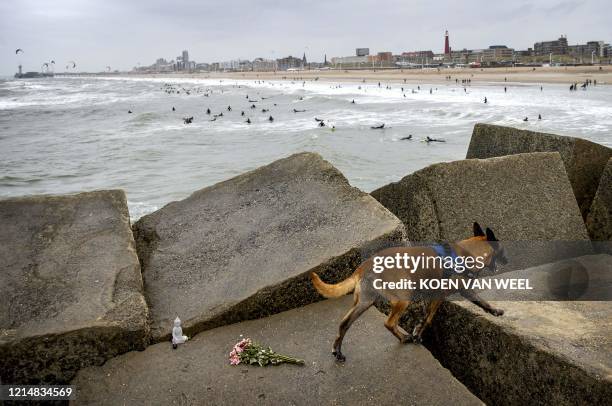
[{"x": 562, "y": 74}]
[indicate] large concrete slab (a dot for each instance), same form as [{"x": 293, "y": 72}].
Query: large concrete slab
[
  {"x": 70, "y": 285},
  {"x": 599, "y": 221},
  {"x": 523, "y": 198},
  {"x": 585, "y": 278},
  {"x": 243, "y": 248},
  {"x": 378, "y": 370},
  {"x": 538, "y": 352},
  {"x": 584, "y": 160}
]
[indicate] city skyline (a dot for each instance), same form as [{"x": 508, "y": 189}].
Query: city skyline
[{"x": 122, "y": 35}]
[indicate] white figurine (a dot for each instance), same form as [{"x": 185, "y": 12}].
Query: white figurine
[{"x": 177, "y": 334}]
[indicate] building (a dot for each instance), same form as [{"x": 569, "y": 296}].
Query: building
[
  {"x": 557, "y": 47},
  {"x": 463, "y": 56},
  {"x": 237, "y": 65},
  {"x": 362, "y": 51},
  {"x": 525, "y": 53},
  {"x": 497, "y": 53},
  {"x": 264, "y": 65},
  {"x": 183, "y": 63},
  {"x": 420, "y": 57},
  {"x": 160, "y": 66},
  {"x": 384, "y": 57},
  {"x": 588, "y": 51},
  {"x": 354, "y": 61},
  {"x": 289, "y": 62}
]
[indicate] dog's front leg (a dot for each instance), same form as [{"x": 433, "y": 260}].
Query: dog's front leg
[{"x": 480, "y": 302}]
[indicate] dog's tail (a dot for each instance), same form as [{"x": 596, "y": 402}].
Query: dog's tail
[{"x": 338, "y": 289}]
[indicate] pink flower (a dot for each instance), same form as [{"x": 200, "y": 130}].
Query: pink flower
[
  {"x": 234, "y": 360},
  {"x": 239, "y": 347},
  {"x": 245, "y": 342}
]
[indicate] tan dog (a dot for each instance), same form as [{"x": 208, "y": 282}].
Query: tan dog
[{"x": 361, "y": 282}]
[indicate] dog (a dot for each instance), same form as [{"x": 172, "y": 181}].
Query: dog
[{"x": 483, "y": 245}]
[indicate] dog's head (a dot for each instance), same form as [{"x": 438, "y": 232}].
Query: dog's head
[{"x": 484, "y": 244}]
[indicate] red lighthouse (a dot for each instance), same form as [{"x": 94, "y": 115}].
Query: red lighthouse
[{"x": 447, "y": 49}]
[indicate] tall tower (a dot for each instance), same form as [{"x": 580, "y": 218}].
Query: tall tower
[{"x": 447, "y": 49}]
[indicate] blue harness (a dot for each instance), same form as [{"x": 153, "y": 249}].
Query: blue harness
[{"x": 446, "y": 251}]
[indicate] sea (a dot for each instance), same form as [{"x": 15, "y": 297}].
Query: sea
[{"x": 65, "y": 135}]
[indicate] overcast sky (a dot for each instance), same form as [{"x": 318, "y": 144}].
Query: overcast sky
[{"x": 122, "y": 33}]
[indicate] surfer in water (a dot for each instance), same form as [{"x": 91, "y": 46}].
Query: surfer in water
[
  {"x": 429, "y": 139},
  {"x": 409, "y": 137},
  {"x": 248, "y": 121},
  {"x": 270, "y": 119},
  {"x": 321, "y": 124},
  {"x": 378, "y": 127}
]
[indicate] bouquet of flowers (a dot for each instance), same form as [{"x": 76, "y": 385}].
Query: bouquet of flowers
[{"x": 247, "y": 352}]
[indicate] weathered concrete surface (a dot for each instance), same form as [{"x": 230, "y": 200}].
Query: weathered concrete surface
[
  {"x": 584, "y": 160},
  {"x": 523, "y": 197},
  {"x": 583, "y": 278},
  {"x": 243, "y": 248},
  {"x": 378, "y": 370},
  {"x": 599, "y": 221},
  {"x": 70, "y": 284},
  {"x": 554, "y": 353},
  {"x": 538, "y": 352}
]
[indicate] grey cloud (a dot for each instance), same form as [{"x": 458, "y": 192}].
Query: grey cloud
[{"x": 122, "y": 33}]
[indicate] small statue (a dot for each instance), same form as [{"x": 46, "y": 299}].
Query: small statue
[{"x": 177, "y": 334}]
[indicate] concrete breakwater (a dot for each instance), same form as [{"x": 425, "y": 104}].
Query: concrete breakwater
[{"x": 80, "y": 286}]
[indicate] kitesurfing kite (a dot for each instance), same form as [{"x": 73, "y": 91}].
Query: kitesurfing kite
[{"x": 18, "y": 50}]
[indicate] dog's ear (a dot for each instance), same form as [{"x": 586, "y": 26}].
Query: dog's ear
[
  {"x": 490, "y": 235},
  {"x": 477, "y": 230}
]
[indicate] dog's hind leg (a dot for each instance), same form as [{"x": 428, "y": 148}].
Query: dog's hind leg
[
  {"x": 397, "y": 309},
  {"x": 360, "y": 305},
  {"x": 431, "y": 312}
]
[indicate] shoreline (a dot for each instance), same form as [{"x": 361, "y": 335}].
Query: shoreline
[{"x": 541, "y": 75}]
